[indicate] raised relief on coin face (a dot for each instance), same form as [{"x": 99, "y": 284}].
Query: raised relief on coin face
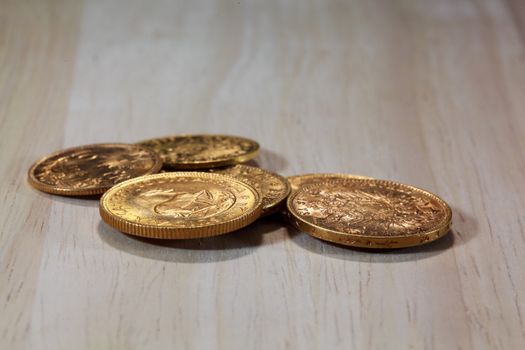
[
  {"x": 180, "y": 205},
  {"x": 273, "y": 188},
  {"x": 203, "y": 151},
  {"x": 92, "y": 169},
  {"x": 197, "y": 203},
  {"x": 297, "y": 181},
  {"x": 372, "y": 211}
]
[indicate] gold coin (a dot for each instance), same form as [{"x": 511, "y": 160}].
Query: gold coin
[
  {"x": 273, "y": 187},
  {"x": 202, "y": 151},
  {"x": 297, "y": 181},
  {"x": 369, "y": 213},
  {"x": 91, "y": 169},
  {"x": 180, "y": 205}
]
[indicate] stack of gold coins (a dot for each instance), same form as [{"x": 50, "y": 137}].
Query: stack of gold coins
[{"x": 204, "y": 191}]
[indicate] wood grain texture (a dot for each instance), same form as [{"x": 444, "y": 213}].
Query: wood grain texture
[{"x": 430, "y": 93}]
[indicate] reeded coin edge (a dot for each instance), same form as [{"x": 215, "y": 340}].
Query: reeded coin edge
[
  {"x": 33, "y": 181},
  {"x": 367, "y": 241},
  {"x": 206, "y": 164},
  {"x": 162, "y": 232},
  {"x": 275, "y": 205}
]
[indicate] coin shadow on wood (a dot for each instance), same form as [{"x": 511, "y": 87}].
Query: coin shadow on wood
[
  {"x": 464, "y": 226},
  {"x": 87, "y": 201},
  {"x": 253, "y": 162},
  {"x": 204, "y": 250},
  {"x": 271, "y": 161},
  {"x": 84, "y": 201}
]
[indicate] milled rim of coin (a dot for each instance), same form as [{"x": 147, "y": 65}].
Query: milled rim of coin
[
  {"x": 91, "y": 189},
  {"x": 297, "y": 181},
  {"x": 191, "y": 159},
  {"x": 177, "y": 205},
  {"x": 273, "y": 187},
  {"x": 357, "y": 236}
]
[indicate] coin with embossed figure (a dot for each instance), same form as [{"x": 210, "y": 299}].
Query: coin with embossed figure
[
  {"x": 180, "y": 205},
  {"x": 297, "y": 181},
  {"x": 91, "y": 169},
  {"x": 189, "y": 152},
  {"x": 273, "y": 187},
  {"x": 369, "y": 213}
]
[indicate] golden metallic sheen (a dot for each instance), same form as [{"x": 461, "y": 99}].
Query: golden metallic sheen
[
  {"x": 180, "y": 205},
  {"x": 273, "y": 187},
  {"x": 369, "y": 213},
  {"x": 188, "y": 152},
  {"x": 91, "y": 169},
  {"x": 297, "y": 181}
]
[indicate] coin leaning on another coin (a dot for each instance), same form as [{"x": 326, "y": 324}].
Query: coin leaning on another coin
[
  {"x": 180, "y": 205},
  {"x": 369, "y": 213},
  {"x": 193, "y": 152},
  {"x": 273, "y": 188},
  {"x": 91, "y": 169}
]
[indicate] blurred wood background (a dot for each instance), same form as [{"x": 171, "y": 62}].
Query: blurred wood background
[{"x": 431, "y": 93}]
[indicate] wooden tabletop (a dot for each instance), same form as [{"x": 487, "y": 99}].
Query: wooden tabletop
[{"x": 429, "y": 93}]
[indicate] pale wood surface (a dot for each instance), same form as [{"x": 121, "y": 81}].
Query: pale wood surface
[{"x": 431, "y": 93}]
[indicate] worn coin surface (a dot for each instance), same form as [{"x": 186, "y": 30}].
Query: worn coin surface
[
  {"x": 297, "y": 181},
  {"x": 180, "y": 205},
  {"x": 202, "y": 151},
  {"x": 273, "y": 187},
  {"x": 369, "y": 213},
  {"x": 91, "y": 169}
]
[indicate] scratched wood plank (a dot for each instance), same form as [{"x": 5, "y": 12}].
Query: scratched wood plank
[
  {"x": 37, "y": 54},
  {"x": 425, "y": 92}
]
